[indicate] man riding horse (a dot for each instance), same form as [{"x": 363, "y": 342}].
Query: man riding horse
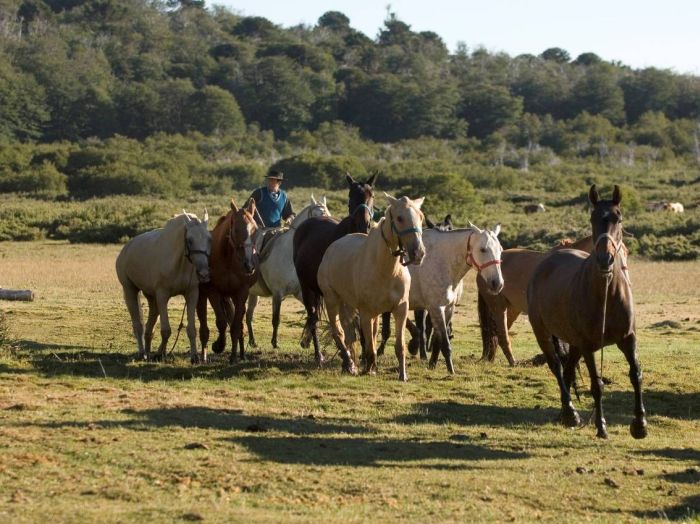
[
  {"x": 274, "y": 210},
  {"x": 272, "y": 202}
]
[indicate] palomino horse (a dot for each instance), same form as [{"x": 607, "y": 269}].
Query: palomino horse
[
  {"x": 436, "y": 284},
  {"x": 277, "y": 277},
  {"x": 498, "y": 312},
  {"x": 311, "y": 240},
  {"x": 233, "y": 272},
  {"x": 162, "y": 263},
  {"x": 587, "y": 301},
  {"x": 368, "y": 274}
]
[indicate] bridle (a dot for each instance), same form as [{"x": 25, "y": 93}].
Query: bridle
[
  {"x": 361, "y": 206},
  {"x": 232, "y": 237},
  {"x": 471, "y": 261},
  {"x": 401, "y": 251},
  {"x": 617, "y": 245},
  {"x": 189, "y": 252}
]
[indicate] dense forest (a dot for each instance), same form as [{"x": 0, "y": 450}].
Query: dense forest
[{"x": 170, "y": 98}]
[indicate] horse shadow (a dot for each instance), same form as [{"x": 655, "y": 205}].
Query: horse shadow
[
  {"x": 198, "y": 417},
  {"x": 373, "y": 452},
  {"x": 671, "y": 404},
  {"x": 59, "y": 360},
  {"x": 450, "y": 412},
  {"x": 688, "y": 511}
]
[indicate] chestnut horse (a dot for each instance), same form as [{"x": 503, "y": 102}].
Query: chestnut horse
[
  {"x": 312, "y": 238},
  {"x": 587, "y": 301},
  {"x": 498, "y": 312},
  {"x": 233, "y": 271}
]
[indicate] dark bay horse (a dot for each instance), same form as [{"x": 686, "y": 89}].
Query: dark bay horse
[
  {"x": 587, "y": 301},
  {"x": 233, "y": 267},
  {"x": 311, "y": 240}
]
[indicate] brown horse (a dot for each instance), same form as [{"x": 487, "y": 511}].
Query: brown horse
[
  {"x": 233, "y": 266},
  {"x": 587, "y": 301},
  {"x": 497, "y": 313},
  {"x": 312, "y": 238}
]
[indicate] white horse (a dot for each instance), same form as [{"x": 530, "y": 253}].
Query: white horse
[
  {"x": 278, "y": 277},
  {"x": 163, "y": 263},
  {"x": 436, "y": 285}
]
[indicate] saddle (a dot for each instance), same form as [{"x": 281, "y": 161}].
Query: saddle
[{"x": 265, "y": 241}]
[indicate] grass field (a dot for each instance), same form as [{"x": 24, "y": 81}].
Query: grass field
[{"x": 88, "y": 435}]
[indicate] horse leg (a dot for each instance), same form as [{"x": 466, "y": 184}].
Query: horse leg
[
  {"x": 417, "y": 332},
  {"x": 150, "y": 324},
  {"x": 503, "y": 337},
  {"x": 427, "y": 334},
  {"x": 203, "y": 325},
  {"x": 596, "y": 391},
  {"x": 276, "y": 307},
  {"x": 237, "y": 327},
  {"x": 333, "y": 311},
  {"x": 162, "y": 298},
  {"x": 569, "y": 416},
  {"x": 386, "y": 331},
  {"x": 400, "y": 315},
  {"x": 217, "y": 304},
  {"x": 368, "y": 348},
  {"x": 131, "y": 297},
  {"x": 191, "y": 304},
  {"x": 628, "y": 346},
  {"x": 252, "y": 303},
  {"x": 441, "y": 340},
  {"x": 570, "y": 366}
]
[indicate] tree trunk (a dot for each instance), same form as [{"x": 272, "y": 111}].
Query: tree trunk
[{"x": 26, "y": 295}]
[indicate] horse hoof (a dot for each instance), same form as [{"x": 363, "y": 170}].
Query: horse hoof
[
  {"x": 403, "y": 377},
  {"x": 638, "y": 428},
  {"x": 602, "y": 433},
  {"x": 431, "y": 364},
  {"x": 570, "y": 419},
  {"x": 450, "y": 367},
  {"x": 218, "y": 347},
  {"x": 413, "y": 346},
  {"x": 350, "y": 369},
  {"x": 274, "y": 345},
  {"x": 252, "y": 343},
  {"x": 156, "y": 358},
  {"x": 194, "y": 360},
  {"x": 380, "y": 350}
]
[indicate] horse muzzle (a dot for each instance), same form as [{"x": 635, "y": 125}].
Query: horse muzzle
[
  {"x": 203, "y": 276},
  {"x": 605, "y": 263}
]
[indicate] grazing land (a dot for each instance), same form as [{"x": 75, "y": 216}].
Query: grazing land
[{"x": 88, "y": 434}]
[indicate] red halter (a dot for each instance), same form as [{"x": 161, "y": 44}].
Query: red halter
[{"x": 473, "y": 263}]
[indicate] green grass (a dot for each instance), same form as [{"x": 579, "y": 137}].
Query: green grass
[{"x": 89, "y": 435}]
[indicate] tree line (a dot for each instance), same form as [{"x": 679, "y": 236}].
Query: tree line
[{"x": 75, "y": 69}]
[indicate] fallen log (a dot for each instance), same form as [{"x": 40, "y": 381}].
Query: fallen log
[{"x": 26, "y": 295}]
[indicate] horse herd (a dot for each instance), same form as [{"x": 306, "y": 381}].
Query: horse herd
[{"x": 578, "y": 294}]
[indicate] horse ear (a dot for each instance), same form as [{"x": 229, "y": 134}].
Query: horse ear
[
  {"x": 390, "y": 198},
  {"x": 234, "y": 207},
  {"x": 206, "y": 216},
  {"x": 250, "y": 206},
  {"x": 313, "y": 200},
  {"x": 349, "y": 179},
  {"x": 324, "y": 201},
  {"x": 593, "y": 195},
  {"x": 448, "y": 220},
  {"x": 497, "y": 229},
  {"x": 418, "y": 202},
  {"x": 429, "y": 223},
  {"x": 187, "y": 217},
  {"x": 475, "y": 228},
  {"x": 617, "y": 195},
  {"x": 372, "y": 180}
]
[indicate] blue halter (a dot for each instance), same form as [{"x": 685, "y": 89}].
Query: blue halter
[{"x": 371, "y": 211}]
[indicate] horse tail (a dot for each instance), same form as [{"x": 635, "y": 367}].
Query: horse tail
[{"x": 489, "y": 338}]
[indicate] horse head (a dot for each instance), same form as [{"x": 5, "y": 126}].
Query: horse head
[
  {"x": 484, "y": 254},
  {"x": 606, "y": 221},
  {"x": 361, "y": 202},
  {"x": 406, "y": 222},
  {"x": 242, "y": 234},
  {"x": 198, "y": 244},
  {"x": 316, "y": 208}
]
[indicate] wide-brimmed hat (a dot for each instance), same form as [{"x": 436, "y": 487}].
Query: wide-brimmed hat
[{"x": 277, "y": 175}]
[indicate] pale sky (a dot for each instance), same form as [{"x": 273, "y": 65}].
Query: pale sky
[{"x": 639, "y": 33}]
